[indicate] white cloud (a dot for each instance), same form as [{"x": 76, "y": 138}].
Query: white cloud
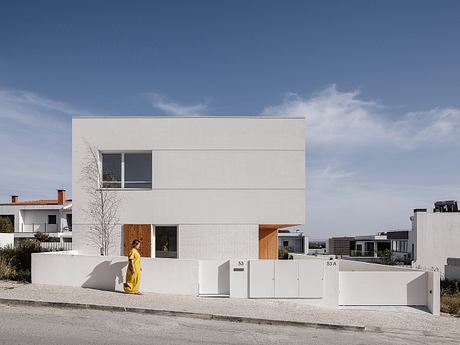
[
  {"x": 29, "y": 109},
  {"x": 342, "y": 119},
  {"x": 170, "y": 107},
  {"x": 358, "y": 177},
  {"x": 35, "y": 139}
]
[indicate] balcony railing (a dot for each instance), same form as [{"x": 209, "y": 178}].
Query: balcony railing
[
  {"x": 56, "y": 246},
  {"x": 41, "y": 227},
  {"x": 362, "y": 253}
]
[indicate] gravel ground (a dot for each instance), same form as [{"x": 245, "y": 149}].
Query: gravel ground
[{"x": 390, "y": 319}]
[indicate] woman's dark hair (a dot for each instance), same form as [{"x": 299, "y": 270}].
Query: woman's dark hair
[{"x": 136, "y": 242}]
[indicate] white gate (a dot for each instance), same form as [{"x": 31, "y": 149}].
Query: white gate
[
  {"x": 214, "y": 277},
  {"x": 286, "y": 279}
]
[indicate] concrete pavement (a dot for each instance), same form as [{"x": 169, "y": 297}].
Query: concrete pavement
[
  {"x": 395, "y": 320},
  {"x": 40, "y": 326}
]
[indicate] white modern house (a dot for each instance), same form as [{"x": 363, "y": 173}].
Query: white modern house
[
  {"x": 206, "y": 196},
  {"x": 194, "y": 187},
  {"x": 52, "y": 217},
  {"x": 435, "y": 237}
]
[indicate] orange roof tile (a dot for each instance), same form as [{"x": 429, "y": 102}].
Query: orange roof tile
[{"x": 39, "y": 202}]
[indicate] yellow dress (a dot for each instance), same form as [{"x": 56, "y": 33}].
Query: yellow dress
[{"x": 133, "y": 278}]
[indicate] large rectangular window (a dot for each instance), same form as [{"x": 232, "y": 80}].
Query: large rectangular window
[
  {"x": 127, "y": 170},
  {"x": 111, "y": 170},
  {"x": 138, "y": 170}
]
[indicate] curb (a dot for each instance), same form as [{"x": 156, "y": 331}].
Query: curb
[{"x": 192, "y": 315}]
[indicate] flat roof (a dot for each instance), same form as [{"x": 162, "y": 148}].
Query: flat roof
[{"x": 187, "y": 117}]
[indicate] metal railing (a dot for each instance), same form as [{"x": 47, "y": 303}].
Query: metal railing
[
  {"x": 40, "y": 227},
  {"x": 55, "y": 246},
  {"x": 362, "y": 253}
]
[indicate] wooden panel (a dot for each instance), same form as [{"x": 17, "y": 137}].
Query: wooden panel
[
  {"x": 268, "y": 240},
  {"x": 268, "y": 243},
  {"x": 141, "y": 232}
]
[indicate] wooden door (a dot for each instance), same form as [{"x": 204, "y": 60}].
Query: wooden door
[
  {"x": 141, "y": 232},
  {"x": 268, "y": 242}
]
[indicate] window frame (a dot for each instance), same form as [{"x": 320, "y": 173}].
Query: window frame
[
  {"x": 55, "y": 219},
  {"x": 122, "y": 153}
]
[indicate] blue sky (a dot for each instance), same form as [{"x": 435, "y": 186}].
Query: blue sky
[{"x": 378, "y": 82}]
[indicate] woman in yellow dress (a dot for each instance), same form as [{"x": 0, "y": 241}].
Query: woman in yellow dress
[{"x": 133, "y": 274}]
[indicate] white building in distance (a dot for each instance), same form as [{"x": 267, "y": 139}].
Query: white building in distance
[
  {"x": 52, "y": 217},
  {"x": 435, "y": 236}
]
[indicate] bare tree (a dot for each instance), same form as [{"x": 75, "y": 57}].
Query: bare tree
[{"x": 103, "y": 204}]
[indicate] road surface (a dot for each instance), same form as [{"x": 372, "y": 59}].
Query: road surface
[{"x": 34, "y": 325}]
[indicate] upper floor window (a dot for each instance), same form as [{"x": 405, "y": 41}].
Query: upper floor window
[
  {"x": 51, "y": 219},
  {"x": 127, "y": 170}
]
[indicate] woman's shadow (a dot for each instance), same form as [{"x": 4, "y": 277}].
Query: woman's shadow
[{"x": 106, "y": 276}]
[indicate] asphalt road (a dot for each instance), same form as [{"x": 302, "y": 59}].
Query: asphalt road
[{"x": 33, "y": 325}]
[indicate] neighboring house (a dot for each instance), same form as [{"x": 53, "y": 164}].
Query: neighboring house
[
  {"x": 435, "y": 236},
  {"x": 339, "y": 245},
  {"x": 51, "y": 217},
  {"x": 194, "y": 187},
  {"x": 294, "y": 241},
  {"x": 373, "y": 245},
  {"x": 370, "y": 246}
]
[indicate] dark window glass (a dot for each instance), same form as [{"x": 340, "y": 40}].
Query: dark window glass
[
  {"x": 111, "y": 170},
  {"x": 166, "y": 242},
  {"x": 69, "y": 220},
  {"x": 138, "y": 170},
  {"x": 51, "y": 219}
]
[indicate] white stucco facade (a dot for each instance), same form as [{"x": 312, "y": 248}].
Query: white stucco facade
[
  {"x": 215, "y": 178},
  {"x": 436, "y": 237}
]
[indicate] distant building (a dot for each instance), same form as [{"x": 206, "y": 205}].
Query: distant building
[
  {"x": 52, "y": 217},
  {"x": 435, "y": 236},
  {"x": 339, "y": 245},
  {"x": 371, "y": 246},
  {"x": 294, "y": 241}
]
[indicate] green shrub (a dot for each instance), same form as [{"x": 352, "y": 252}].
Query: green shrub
[
  {"x": 283, "y": 253},
  {"x": 9, "y": 272},
  {"x": 450, "y": 296},
  {"x": 450, "y": 304},
  {"x": 40, "y": 236},
  {"x": 386, "y": 256},
  {"x": 450, "y": 287},
  {"x": 15, "y": 263}
]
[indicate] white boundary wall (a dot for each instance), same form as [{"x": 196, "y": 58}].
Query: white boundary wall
[
  {"x": 383, "y": 288},
  {"x": 6, "y": 239},
  {"x": 372, "y": 284},
  {"x": 170, "y": 276},
  {"x": 311, "y": 281}
]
